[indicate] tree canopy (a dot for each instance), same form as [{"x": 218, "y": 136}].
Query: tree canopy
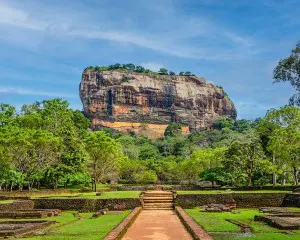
[{"x": 288, "y": 70}]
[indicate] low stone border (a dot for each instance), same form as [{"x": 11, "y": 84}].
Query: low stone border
[
  {"x": 242, "y": 200},
  {"x": 87, "y": 204},
  {"x": 17, "y": 205},
  {"x": 121, "y": 229},
  {"x": 196, "y": 200},
  {"x": 21, "y": 228},
  {"x": 194, "y": 228},
  {"x": 255, "y": 200}
]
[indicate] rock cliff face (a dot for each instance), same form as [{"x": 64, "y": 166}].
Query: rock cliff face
[{"x": 147, "y": 103}]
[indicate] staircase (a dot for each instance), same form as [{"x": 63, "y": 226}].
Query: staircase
[{"x": 158, "y": 200}]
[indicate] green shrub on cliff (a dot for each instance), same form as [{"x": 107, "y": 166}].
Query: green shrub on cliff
[{"x": 130, "y": 67}]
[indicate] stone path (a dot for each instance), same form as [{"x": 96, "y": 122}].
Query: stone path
[{"x": 158, "y": 225}]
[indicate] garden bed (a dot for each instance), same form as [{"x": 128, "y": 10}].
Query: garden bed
[
  {"x": 218, "y": 226},
  {"x": 21, "y": 228}
]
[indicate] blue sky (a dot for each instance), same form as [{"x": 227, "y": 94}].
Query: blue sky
[{"x": 45, "y": 45}]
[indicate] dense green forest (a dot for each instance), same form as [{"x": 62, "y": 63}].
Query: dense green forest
[{"x": 47, "y": 144}]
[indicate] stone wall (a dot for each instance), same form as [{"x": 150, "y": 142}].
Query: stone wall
[
  {"x": 162, "y": 187},
  {"x": 86, "y": 204},
  {"x": 291, "y": 200},
  {"x": 254, "y": 200},
  {"x": 150, "y": 130},
  {"x": 196, "y": 200},
  {"x": 242, "y": 200},
  {"x": 17, "y": 205}
]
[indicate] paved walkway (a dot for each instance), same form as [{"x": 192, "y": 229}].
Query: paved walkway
[{"x": 158, "y": 225}]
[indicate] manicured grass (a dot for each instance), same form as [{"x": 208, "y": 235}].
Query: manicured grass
[
  {"x": 105, "y": 195},
  {"x": 121, "y": 194},
  {"x": 216, "y": 224},
  {"x": 80, "y": 227},
  {"x": 6, "y": 201},
  {"x": 224, "y": 192},
  {"x": 255, "y": 236}
]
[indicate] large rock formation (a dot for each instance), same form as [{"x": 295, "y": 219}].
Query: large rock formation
[{"x": 148, "y": 102}]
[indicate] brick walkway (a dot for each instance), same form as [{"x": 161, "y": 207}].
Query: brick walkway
[{"x": 158, "y": 225}]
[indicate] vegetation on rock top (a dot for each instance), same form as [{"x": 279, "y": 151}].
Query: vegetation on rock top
[{"x": 139, "y": 69}]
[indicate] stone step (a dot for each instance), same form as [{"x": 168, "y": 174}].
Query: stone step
[
  {"x": 158, "y": 208},
  {"x": 158, "y": 193},
  {"x": 158, "y": 196},
  {"x": 157, "y": 200},
  {"x": 158, "y": 205},
  {"x": 163, "y": 193}
]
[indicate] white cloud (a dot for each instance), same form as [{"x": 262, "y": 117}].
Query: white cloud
[
  {"x": 34, "y": 92},
  {"x": 19, "y": 18},
  {"x": 171, "y": 42}
]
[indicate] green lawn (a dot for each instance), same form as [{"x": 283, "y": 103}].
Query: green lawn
[
  {"x": 6, "y": 201},
  {"x": 224, "y": 192},
  {"x": 80, "y": 226},
  {"x": 220, "y": 229},
  {"x": 121, "y": 194}
]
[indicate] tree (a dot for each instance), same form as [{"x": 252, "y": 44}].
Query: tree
[
  {"x": 223, "y": 123},
  {"x": 266, "y": 129},
  {"x": 4, "y": 166},
  {"x": 243, "y": 158},
  {"x": 117, "y": 66},
  {"x": 130, "y": 66},
  {"x": 285, "y": 144},
  {"x": 283, "y": 139},
  {"x": 80, "y": 121},
  {"x": 181, "y": 74},
  {"x": 31, "y": 151},
  {"x": 172, "y": 73},
  {"x": 105, "y": 155},
  {"x": 110, "y": 67},
  {"x": 288, "y": 70},
  {"x": 54, "y": 116},
  {"x": 199, "y": 161},
  {"x": 148, "y": 151},
  {"x": 188, "y": 73},
  {"x": 163, "y": 71},
  {"x": 139, "y": 69},
  {"x": 146, "y": 177},
  {"x": 173, "y": 129},
  {"x": 215, "y": 175},
  {"x": 130, "y": 169},
  {"x": 7, "y": 113},
  {"x": 242, "y": 125}
]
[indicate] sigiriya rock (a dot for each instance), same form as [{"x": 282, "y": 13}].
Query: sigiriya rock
[{"x": 146, "y": 102}]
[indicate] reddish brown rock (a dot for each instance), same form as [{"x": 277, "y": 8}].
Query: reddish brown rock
[{"x": 148, "y": 102}]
